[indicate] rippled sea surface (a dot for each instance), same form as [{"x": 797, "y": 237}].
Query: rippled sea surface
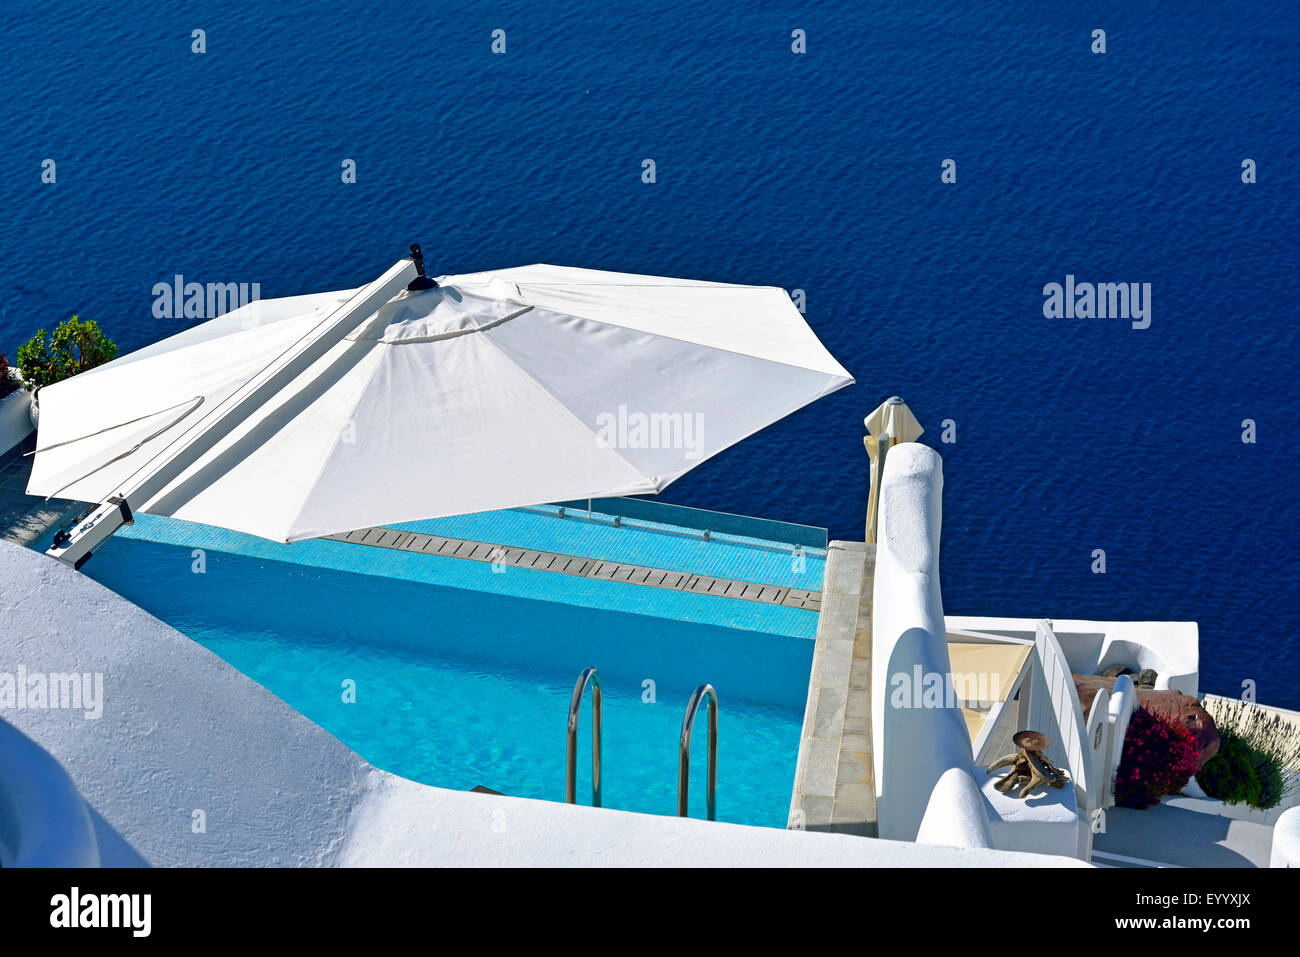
[{"x": 819, "y": 172}]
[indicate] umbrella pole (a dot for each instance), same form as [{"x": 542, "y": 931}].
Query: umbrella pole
[{"x": 877, "y": 449}]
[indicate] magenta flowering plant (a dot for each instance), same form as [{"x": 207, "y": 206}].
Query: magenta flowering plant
[{"x": 1159, "y": 758}]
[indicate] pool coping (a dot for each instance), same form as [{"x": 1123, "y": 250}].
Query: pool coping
[
  {"x": 834, "y": 782},
  {"x": 500, "y": 555}
]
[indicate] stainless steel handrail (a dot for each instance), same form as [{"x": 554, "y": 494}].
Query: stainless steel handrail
[
  {"x": 588, "y": 676},
  {"x": 684, "y": 751}
]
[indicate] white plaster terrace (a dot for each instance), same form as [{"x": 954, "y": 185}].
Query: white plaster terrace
[{"x": 182, "y": 731}]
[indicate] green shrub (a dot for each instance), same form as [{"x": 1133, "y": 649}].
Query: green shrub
[
  {"x": 75, "y": 346},
  {"x": 1272, "y": 785},
  {"x": 1258, "y": 761},
  {"x": 1241, "y": 773},
  {"x": 1232, "y": 775}
]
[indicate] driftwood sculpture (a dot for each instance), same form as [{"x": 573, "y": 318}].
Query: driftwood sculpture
[{"x": 1030, "y": 769}]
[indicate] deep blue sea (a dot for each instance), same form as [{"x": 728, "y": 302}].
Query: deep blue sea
[{"x": 818, "y": 171}]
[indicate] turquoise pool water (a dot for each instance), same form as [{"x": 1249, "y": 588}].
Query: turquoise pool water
[{"x": 462, "y": 676}]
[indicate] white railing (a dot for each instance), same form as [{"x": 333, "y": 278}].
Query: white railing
[
  {"x": 1122, "y": 701},
  {"x": 1090, "y": 749},
  {"x": 1054, "y": 705},
  {"x": 1096, "y": 740}
]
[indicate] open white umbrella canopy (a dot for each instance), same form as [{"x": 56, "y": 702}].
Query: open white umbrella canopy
[{"x": 491, "y": 390}]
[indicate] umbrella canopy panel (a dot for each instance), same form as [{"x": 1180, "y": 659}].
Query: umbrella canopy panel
[{"x": 491, "y": 390}]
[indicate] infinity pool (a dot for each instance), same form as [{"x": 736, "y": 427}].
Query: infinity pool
[{"x": 469, "y": 684}]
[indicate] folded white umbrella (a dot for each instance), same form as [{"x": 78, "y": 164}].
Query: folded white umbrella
[
  {"x": 489, "y": 390},
  {"x": 891, "y": 423},
  {"x": 894, "y": 419}
]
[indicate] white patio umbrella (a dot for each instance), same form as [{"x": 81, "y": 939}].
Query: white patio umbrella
[{"x": 301, "y": 417}]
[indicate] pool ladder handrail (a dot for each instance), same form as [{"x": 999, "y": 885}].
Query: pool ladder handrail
[
  {"x": 684, "y": 751},
  {"x": 592, "y": 677}
]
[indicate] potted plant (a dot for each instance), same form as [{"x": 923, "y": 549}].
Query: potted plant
[
  {"x": 75, "y": 346},
  {"x": 1159, "y": 758}
]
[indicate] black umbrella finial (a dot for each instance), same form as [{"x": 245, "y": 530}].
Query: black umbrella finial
[{"x": 421, "y": 281}]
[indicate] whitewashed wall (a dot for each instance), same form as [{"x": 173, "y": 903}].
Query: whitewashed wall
[
  {"x": 913, "y": 746},
  {"x": 15, "y": 419},
  {"x": 955, "y": 814},
  {"x": 1170, "y": 648}
]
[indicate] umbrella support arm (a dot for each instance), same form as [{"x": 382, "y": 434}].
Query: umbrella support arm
[{"x": 76, "y": 546}]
